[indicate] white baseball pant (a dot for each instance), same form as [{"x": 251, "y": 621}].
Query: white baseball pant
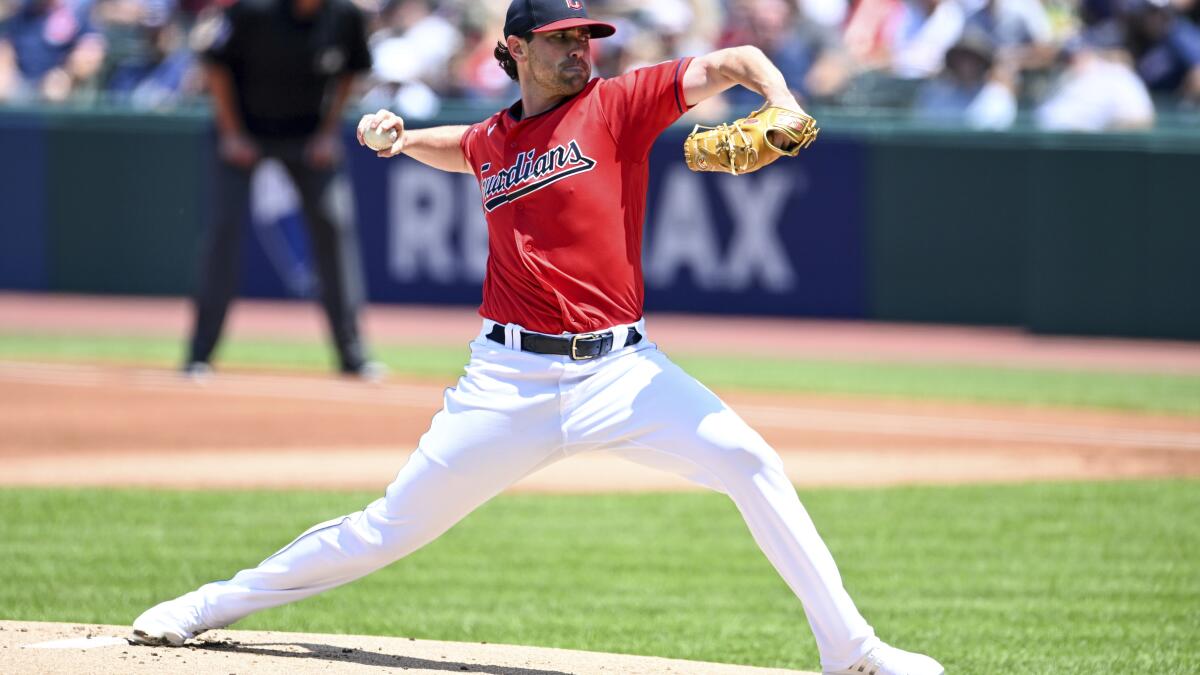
[{"x": 514, "y": 412}]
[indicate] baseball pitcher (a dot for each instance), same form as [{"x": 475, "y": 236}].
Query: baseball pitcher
[{"x": 563, "y": 363}]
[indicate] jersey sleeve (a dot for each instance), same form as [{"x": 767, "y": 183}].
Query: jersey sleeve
[
  {"x": 470, "y": 143},
  {"x": 641, "y": 103},
  {"x": 225, "y": 36}
]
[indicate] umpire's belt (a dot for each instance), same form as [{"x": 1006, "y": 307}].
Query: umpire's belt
[{"x": 580, "y": 346}]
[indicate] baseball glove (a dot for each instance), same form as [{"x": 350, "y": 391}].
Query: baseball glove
[{"x": 750, "y": 143}]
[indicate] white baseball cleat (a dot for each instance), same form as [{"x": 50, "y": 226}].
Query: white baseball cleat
[
  {"x": 887, "y": 660},
  {"x": 169, "y": 624}
]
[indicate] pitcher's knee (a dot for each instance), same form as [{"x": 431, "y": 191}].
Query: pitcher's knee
[
  {"x": 410, "y": 515},
  {"x": 377, "y": 538}
]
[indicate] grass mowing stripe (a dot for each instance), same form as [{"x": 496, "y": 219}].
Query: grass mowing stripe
[
  {"x": 158, "y": 351},
  {"x": 1045, "y": 578},
  {"x": 1148, "y": 392}
]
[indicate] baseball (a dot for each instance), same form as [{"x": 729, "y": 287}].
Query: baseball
[{"x": 378, "y": 139}]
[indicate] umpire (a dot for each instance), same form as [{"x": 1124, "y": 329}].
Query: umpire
[{"x": 279, "y": 72}]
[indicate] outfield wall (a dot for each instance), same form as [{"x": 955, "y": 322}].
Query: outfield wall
[{"x": 1062, "y": 234}]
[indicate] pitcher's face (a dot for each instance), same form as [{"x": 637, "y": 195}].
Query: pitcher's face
[{"x": 559, "y": 62}]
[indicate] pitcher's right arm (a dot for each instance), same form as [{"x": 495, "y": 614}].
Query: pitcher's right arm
[{"x": 438, "y": 147}]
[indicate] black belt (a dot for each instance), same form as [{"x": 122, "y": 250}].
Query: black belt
[{"x": 580, "y": 347}]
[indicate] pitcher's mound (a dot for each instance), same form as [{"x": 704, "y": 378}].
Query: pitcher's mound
[{"x": 72, "y": 648}]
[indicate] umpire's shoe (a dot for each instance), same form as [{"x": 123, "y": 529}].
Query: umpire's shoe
[
  {"x": 170, "y": 623},
  {"x": 886, "y": 660},
  {"x": 367, "y": 371},
  {"x": 197, "y": 371}
]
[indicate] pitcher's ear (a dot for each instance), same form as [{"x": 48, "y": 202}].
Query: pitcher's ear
[{"x": 516, "y": 47}]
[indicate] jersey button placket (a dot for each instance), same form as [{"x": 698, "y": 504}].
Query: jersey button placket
[{"x": 519, "y": 210}]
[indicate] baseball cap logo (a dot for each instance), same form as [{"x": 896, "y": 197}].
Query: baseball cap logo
[{"x": 541, "y": 16}]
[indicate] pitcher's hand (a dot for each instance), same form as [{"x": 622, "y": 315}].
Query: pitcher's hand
[{"x": 374, "y": 132}]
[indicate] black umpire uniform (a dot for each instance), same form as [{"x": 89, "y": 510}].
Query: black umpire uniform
[{"x": 280, "y": 72}]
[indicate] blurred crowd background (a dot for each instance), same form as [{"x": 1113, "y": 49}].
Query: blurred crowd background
[{"x": 1082, "y": 65}]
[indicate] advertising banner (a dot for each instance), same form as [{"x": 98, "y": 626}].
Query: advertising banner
[{"x": 22, "y": 204}]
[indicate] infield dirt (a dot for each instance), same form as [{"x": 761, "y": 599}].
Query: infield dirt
[{"x": 75, "y": 649}]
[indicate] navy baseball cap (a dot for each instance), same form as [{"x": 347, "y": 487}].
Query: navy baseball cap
[{"x": 542, "y": 16}]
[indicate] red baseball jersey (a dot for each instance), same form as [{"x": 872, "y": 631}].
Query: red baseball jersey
[{"x": 564, "y": 194}]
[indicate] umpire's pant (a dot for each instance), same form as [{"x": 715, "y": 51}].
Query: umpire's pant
[{"x": 332, "y": 240}]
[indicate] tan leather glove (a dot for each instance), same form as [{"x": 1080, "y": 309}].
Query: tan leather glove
[{"x": 750, "y": 143}]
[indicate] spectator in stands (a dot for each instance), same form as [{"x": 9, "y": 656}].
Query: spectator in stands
[
  {"x": 809, "y": 57},
  {"x": 650, "y": 32},
  {"x": 972, "y": 90},
  {"x": 131, "y": 30},
  {"x": 1098, "y": 91},
  {"x": 909, "y": 38},
  {"x": 892, "y": 54},
  {"x": 640, "y": 48},
  {"x": 829, "y": 14},
  {"x": 148, "y": 61},
  {"x": 177, "y": 76},
  {"x": 411, "y": 51},
  {"x": 867, "y": 31},
  {"x": 661, "y": 25},
  {"x": 475, "y": 74},
  {"x": 925, "y": 31},
  {"x": 1165, "y": 48},
  {"x": 49, "y": 51},
  {"x": 1020, "y": 29},
  {"x": 610, "y": 54},
  {"x": 704, "y": 29}
]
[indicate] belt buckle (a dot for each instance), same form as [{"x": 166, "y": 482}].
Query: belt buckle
[{"x": 575, "y": 356}]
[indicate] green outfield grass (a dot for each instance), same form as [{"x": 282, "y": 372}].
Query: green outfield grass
[
  {"x": 1086, "y": 389},
  {"x": 1047, "y": 578}
]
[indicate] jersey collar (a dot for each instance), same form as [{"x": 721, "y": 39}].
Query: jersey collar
[{"x": 515, "y": 110}]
